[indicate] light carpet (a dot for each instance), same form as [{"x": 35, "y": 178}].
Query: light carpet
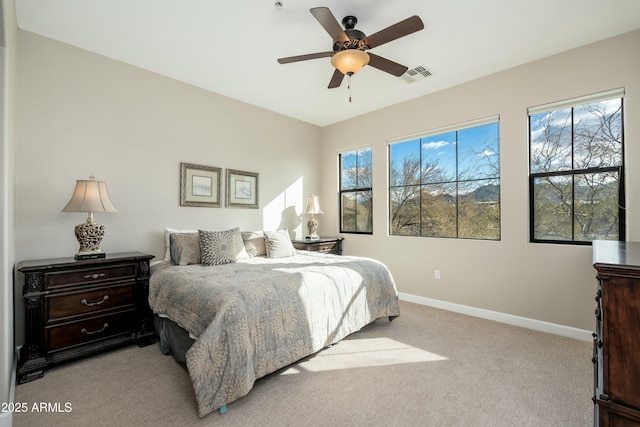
[{"x": 429, "y": 367}]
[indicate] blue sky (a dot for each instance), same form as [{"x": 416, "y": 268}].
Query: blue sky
[
  {"x": 477, "y": 149},
  {"x": 549, "y": 154}
]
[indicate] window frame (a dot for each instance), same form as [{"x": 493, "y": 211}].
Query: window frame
[
  {"x": 573, "y": 171},
  {"x": 356, "y": 190},
  {"x": 457, "y": 182}
]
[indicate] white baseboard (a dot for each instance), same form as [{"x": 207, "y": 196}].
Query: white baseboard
[{"x": 537, "y": 325}]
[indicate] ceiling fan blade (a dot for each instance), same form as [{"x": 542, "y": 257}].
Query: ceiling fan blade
[
  {"x": 336, "y": 79},
  {"x": 290, "y": 59},
  {"x": 386, "y": 65},
  {"x": 401, "y": 29},
  {"x": 329, "y": 23}
]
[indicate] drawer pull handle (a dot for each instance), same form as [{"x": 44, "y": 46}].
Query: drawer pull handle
[
  {"x": 91, "y": 304},
  {"x": 94, "y": 276},
  {"x": 84, "y": 330}
]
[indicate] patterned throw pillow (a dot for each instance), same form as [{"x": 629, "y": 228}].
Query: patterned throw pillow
[
  {"x": 254, "y": 243},
  {"x": 279, "y": 244},
  {"x": 167, "y": 239},
  {"x": 185, "y": 248},
  {"x": 218, "y": 247}
]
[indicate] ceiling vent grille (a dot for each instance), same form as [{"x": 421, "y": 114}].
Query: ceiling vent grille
[{"x": 416, "y": 74}]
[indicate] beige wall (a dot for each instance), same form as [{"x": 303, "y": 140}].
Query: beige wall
[
  {"x": 82, "y": 114},
  {"x": 7, "y": 172},
  {"x": 552, "y": 283}
]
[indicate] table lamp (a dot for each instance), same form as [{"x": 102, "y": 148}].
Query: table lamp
[
  {"x": 313, "y": 208},
  {"x": 89, "y": 196}
]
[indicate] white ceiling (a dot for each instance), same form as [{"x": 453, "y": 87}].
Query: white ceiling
[{"x": 231, "y": 47}]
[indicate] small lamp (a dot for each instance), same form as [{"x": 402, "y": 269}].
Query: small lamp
[
  {"x": 313, "y": 208},
  {"x": 89, "y": 196}
]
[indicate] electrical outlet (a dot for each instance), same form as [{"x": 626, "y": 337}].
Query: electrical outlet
[{"x": 436, "y": 274}]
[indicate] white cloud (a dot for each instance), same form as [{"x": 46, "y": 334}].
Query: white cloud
[
  {"x": 487, "y": 153},
  {"x": 435, "y": 145}
]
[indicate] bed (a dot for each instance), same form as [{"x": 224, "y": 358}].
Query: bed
[{"x": 240, "y": 320}]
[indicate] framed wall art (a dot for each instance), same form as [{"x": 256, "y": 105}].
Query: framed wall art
[
  {"x": 242, "y": 189},
  {"x": 200, "y": 185}
]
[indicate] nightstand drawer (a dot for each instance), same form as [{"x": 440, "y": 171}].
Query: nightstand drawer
[
  {"x": 326, "y": 245},
  {"x": 89, "y": 275},
  {"x": 87, "y": 330},
  {"x": 77, "y": 303},
  {"x": 329, "y": 247}
]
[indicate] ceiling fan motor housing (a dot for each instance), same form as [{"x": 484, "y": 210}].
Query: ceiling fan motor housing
[{"x": 356, "y": 37}]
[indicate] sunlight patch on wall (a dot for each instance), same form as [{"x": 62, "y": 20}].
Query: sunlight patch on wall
[
  {"x": 283, "y": 211},
  {"x": 364, "y": 353}
]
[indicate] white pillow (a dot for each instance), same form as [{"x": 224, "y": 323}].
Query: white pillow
[
  {"x": 279, "y": 244},
  {"x": 167, "y": 240}
]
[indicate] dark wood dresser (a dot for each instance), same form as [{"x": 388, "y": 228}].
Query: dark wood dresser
[
  {"x": 325, "y": 245},
  {"x": 77, "y": 308},
  {"x": 617, "y": 337}
]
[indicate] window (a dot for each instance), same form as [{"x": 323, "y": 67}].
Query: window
[
  {"x": 447, "y": 183},
  {"x": 356, "y": 195},
  {"x": 576, "y": 165}
]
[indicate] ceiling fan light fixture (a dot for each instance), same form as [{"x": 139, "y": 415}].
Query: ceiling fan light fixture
[{"x": 350, "y": 61}]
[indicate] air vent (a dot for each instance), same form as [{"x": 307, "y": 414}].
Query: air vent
[{"x": 415, "y": 74}]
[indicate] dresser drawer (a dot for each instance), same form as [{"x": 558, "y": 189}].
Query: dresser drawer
[
  {"x": 60, "y": 279},
  {"x": 78, "y": 303},
  {"x": 92, "y": 329}
]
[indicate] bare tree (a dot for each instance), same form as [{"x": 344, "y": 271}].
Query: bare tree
[
  {"x": 357, "y": 194},
  {"x": 576, "y": 160}
]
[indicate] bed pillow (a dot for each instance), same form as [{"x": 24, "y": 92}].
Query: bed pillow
[
  {"x": 241, "y": 252},
  {"x": 279, "y": 244},
  {"x": 185, "y": 248},
  {"x": 254, "y": 243},
  {"x": 219, "y": 247},
  {"x": 167, "y": 240}
]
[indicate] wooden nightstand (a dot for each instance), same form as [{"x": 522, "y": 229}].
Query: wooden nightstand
[
  {"x": 326, "y": 245},
  {"x": 77, "y": 308}
]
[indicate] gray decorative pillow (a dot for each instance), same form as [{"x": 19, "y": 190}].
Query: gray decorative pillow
[
  {"x": 185, "y": 248},
  {"x": 167, "y": 239},
  {"x": 217, "y": 247},
  {"x": 279, "y": 244},
  {"x": 254, "y": 243}
]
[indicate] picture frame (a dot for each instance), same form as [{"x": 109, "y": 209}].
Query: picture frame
[
  {"x": 200, "y": 185},
  {"x": 241, "y": 189}
]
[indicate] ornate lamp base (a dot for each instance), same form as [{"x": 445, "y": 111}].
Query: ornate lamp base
[
  {"x": 312, "y": 225},
  {"x": 89, "y": 235}
]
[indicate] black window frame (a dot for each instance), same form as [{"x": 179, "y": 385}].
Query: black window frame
[
  {"x": 573, "y": 172},
  {"x": 355, "y": 190},
  {"x": 457, "y": 182}
]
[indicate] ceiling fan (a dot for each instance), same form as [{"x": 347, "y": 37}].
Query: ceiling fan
[{"x": 350, "y": 45}]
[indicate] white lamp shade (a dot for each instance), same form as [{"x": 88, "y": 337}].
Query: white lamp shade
[
  {"x": 350, "y": 61},
  {"x": 90, "y": 196},
  {"x": 313, "y": 205}
]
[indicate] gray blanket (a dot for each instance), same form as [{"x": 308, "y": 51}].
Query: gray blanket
[{"x": 257, "y": 315}]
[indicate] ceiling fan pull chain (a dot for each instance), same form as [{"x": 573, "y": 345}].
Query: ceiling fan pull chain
[{"x": 349, "y": 87}]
